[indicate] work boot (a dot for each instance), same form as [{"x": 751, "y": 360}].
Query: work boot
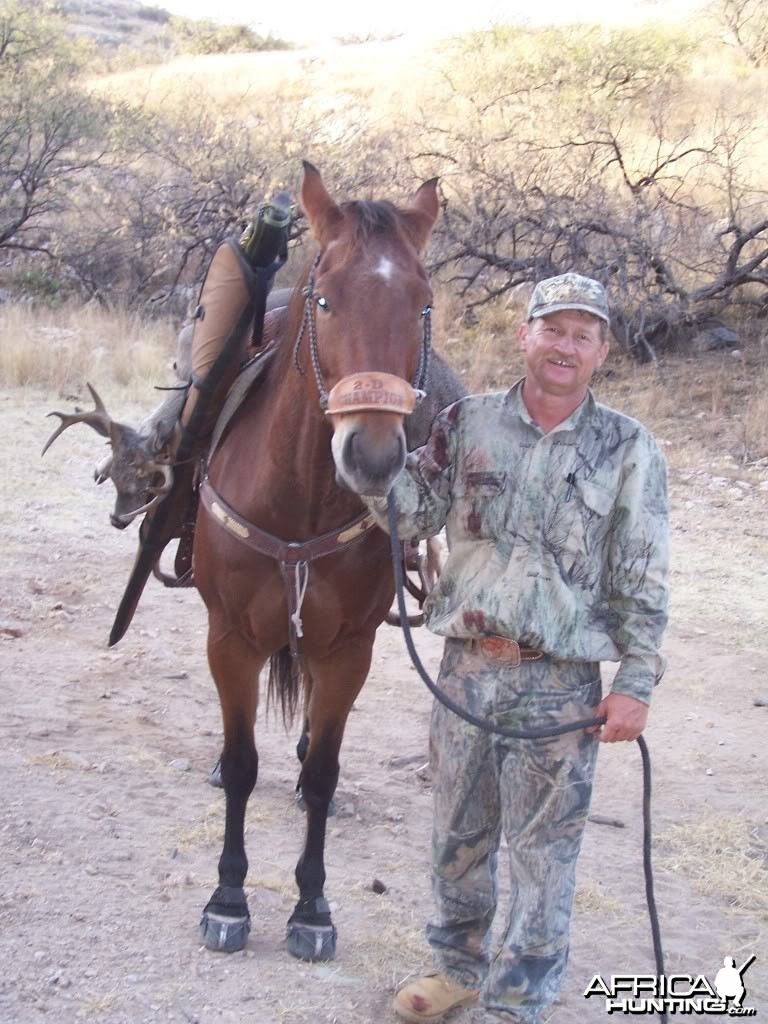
[{"x": 427, "y": 999}]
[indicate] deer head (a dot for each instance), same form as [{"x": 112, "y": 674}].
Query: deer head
[{"x": 141, "y": 476}]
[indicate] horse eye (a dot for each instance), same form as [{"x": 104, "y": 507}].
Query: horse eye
[
  {"x": 426, "y": 310},
  {"x": 322, "y": 302}
]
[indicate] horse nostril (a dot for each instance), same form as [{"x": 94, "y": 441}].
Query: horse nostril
[{"x": 351, "y": 449}]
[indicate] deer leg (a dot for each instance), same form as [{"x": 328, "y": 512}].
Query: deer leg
[
  {"x": 336, "y": 683},
  {"x": 235, "y": 667}
]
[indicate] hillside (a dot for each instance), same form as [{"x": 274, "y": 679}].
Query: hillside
[{"x": 115, "y": 23}]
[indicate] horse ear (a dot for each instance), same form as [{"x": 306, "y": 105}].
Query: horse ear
[
  {"x": 322, "y": 212},
  {"x": 422, "y": 213}
]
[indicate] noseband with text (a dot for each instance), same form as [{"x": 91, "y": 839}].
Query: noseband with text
[{"x": 367, "y": 391}]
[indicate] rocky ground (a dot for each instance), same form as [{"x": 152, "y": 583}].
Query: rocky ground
[{"x": 110, "y": 834}]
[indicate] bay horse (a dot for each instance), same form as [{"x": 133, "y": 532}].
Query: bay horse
[{"x": 327, "y": 426}]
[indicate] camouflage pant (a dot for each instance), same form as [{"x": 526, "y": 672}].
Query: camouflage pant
[{"x": 538, "y": 792}]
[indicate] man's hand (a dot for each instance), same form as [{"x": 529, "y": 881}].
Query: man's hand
[{"x": 626, "y": 718}]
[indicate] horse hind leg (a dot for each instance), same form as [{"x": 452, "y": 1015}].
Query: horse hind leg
[
  {"x": 302, "y": 747},
  {"x": 226, "y": 921}
]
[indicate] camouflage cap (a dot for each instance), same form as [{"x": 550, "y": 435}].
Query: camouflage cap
[{"x": 569, "y": 291}]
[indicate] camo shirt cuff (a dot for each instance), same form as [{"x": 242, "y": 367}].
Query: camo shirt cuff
[{"x": 637, "y": 679}]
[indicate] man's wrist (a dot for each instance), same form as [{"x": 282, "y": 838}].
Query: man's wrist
[{"x": 638, "y": 689}]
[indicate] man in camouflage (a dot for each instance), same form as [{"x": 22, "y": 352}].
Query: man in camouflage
[{"x": 556, "y": 515}]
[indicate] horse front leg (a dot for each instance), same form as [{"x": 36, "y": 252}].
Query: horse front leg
[
  {"x": 336, "y": 682},
  {"x": 226, "y": 921}
]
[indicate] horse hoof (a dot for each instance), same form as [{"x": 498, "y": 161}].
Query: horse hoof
[
  {"x": 311, "y": 941},
  {"x": 215, "y": 779},
  {"x": 224, "y": 934},
  {"x": 301, "y": 804}
]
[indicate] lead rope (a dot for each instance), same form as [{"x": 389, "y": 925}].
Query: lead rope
[{"x": 531, "y": 734}]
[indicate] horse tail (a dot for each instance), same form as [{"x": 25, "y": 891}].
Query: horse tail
[{"x": 286, "y": 683}]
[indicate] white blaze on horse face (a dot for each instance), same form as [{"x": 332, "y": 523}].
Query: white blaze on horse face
[{"x": 384, "y": 268}]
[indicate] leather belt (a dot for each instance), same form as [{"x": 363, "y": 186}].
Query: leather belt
[{"x": 507, "y": 652}]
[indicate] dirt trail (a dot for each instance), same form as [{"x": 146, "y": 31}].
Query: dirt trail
[{"x": 109, "y": 833}]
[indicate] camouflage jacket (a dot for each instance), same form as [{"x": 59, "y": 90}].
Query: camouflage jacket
[{"x": 556, "y": 540}]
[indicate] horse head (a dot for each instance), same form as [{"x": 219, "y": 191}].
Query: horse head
[{"x": 367, "y": 313}]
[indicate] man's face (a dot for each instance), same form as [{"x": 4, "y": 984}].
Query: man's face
[{"x": 562, "y": 351}]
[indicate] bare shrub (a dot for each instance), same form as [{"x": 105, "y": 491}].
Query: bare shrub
[
  {"x": 661, "y": 206},
  {"x": 746, "y": 27}
]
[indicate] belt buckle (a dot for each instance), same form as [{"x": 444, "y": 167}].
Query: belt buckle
[{"x": 502, "y": 649}]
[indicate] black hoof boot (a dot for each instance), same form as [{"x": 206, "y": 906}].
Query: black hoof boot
[
  {"x": 311, "y": 934},
  {"x": 302, "y": 806},
  {"x": 225, "y": 923},
  {"x": 215, "y": 778}
]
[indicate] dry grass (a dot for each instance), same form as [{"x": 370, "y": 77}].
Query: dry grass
[
  {"x": 352, "y": 79},
  {"x": 55, "y": 760},
  {"x": 392, "y": 943},
  {"x": 592, "y": 899},
  {"x": 714, "y": 403},
  {"x": 61, "y": 349},
  {"x": 724, "y": 857},
  {"x": 211, "y": 831},
  {"x": 100, "y": 1004}
]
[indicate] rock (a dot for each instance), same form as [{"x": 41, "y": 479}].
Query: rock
[
  {"x": 760, "y": 702},
  {"x": 59, "y": 979},
  {"x": 715, "y": 338},
  {"x": 6, "y": 629},
  {"x": 177, "y": 675},
  {"x": 393, "y": 814},
  {"x": 406, "y": 759},
  {"x": 378, "y": 887},
  {"x": 603, "y": 819},
  {"x": 181, "y": 764},
  {"x": 709, "y": 771}
]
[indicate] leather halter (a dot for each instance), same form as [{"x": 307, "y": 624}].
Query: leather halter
[
  {"x": 293, "y": 557},
  {"x": 308, "y": 326}
]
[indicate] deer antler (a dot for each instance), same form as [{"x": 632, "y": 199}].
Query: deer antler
[{"x": 98, "y": 418}]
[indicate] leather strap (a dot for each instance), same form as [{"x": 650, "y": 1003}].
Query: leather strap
[
  {"x": 294, "y": 557},
  {"x": 281, "y": 550},
  {"x": 372, "y": 392}
]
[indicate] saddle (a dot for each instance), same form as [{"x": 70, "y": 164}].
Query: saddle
[{"x": 228, "y": 326}]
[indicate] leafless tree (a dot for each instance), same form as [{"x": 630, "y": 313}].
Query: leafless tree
[
  {"x": 662, "y": 210},
  {"x": 746, "y": 26},
  {"x": 51, "y": 133}
]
